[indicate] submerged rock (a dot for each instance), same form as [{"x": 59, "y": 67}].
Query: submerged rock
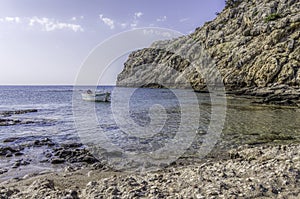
[
  {"x": 12, "y": 139},
  {"x": 57, "y": 161},
  {"x": 3, "y": 170},
  {"x": 74, "y": 155},
  {"x": 4, "y": 150},
  {"x": 11, "y": 122},
  {"x": 43, "y": 142},
  {"x": 17, "y": 112}
]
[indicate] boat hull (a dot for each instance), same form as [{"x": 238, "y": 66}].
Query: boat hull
[{"x": 98, "y": 97}]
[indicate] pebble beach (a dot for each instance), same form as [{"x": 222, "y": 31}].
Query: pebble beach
[{"x": 246, "y": 172}]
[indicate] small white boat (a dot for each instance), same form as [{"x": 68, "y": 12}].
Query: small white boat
[{"x": 96, "y": 97}]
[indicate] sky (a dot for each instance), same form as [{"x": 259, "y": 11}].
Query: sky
[{"x": 45, "y": 42}]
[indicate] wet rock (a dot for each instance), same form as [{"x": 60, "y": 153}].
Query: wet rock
[
  {"x": 36, "y": 142},
  {"x": 75, "y": 155},
  {"x": 22, "y": 121},
  {"x": 18, "y": 154},
  {"x": 69, "y": 169},
  {"x": 71, "y": 145},
  {"x": 89, "y": 159},
  {"x": 64, "y": 153},
  {"x": 44, "y": 160},
  {"x": 9, "y": 122},
  {"x": 12, "y": 139},
  {"x": 16, "y": 165},
  {"x": 3, "y": 170},
  {"x": 43, "y": 142},
  {"x": 8, "y": 155},
  {"x": 17, "y": 112},
  {"x": 21, "y": 162},
  {"x": 57, "y": 161},
  {"x": 7, "y": 150},
  {"x": 48, "y": 155}
]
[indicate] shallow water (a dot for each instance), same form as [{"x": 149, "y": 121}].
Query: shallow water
[{"x": 141, "y": 121}]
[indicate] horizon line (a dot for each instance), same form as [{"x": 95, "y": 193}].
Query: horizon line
[{"x": 56, "y": 85}]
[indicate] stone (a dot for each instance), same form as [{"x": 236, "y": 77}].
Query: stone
[
  {"x": 254, "y": 53},
  {"x": 12, "y": 139},
  {"x": 17, "y": 112},
  {"x": 262, "y": 171},
  {"x": 3, "y": 170},
  {"x": 18, "y": 154},
  {"x": 9, "y": 154},
  {"x": 16, "y": 165},
  {"x": 57, "y": 161}
]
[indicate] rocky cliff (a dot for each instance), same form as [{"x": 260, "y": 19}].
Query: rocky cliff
[{"x": 253, "y": 43}]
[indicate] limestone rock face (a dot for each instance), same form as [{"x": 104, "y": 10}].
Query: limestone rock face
[{"x": 252, "y": 43}]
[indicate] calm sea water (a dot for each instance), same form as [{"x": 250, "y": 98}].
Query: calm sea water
[
  {"x": 53, "y": 118},
  {"x": 245, "y": 123}
]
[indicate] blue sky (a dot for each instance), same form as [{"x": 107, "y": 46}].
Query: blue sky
[{"x": 46, "y": 41}]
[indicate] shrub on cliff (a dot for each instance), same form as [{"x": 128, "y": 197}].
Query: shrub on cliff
[
  {"x": 272, "y": 17},
  {"x": 232, "y": 3}
]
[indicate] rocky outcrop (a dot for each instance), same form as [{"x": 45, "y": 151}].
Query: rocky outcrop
[{"x": 252, "y": 43}]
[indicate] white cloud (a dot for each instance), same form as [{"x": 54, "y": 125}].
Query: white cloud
[
  {"x": 11, "y": 19},
  {"x": 51, "y": 25},
  {"x": 124, "y": 25},
  {"x": 183, "y": 19},
  {"x": 133, "y": 25},
  {"x": 35, "y": 20},
  {"x": 77, "y": 18},
  {"x": 46, "y": 23},
  {"x": 107, "y": 21},
  {"x": 138, "y": 14},
  {"x": 60, "y": 26},
  {"x": 162, "y": 19},
  {"x": 135, "y": 21}
]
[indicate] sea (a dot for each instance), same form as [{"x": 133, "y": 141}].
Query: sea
[{"x": 166, "y": 123}]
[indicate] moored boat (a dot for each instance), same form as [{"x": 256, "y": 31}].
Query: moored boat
[{"x": 96, "y": 97}]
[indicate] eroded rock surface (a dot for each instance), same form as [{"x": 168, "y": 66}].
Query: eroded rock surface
[{"x": 252, "y": 43}]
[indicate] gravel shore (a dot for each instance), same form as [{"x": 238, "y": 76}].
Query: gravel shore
[{"x": 245, "y": 172}]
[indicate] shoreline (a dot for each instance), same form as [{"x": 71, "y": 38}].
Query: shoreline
[
  {"x": 278, "y": 94},
  {"x": 248, "y": 171}
]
